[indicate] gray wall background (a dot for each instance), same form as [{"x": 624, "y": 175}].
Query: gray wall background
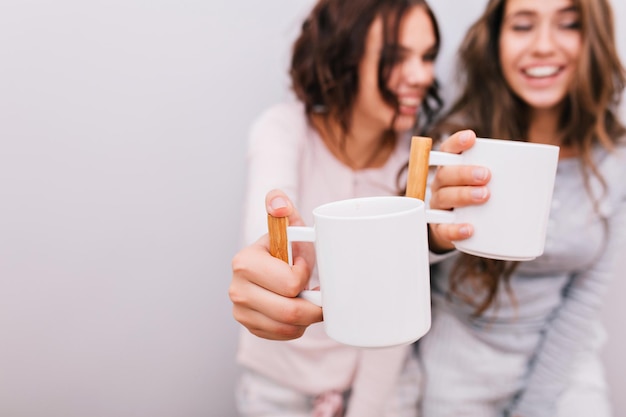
[{"x": 122, "y": 140}]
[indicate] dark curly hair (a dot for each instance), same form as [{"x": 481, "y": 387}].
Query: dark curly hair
[{"x": 327, "y": 53}]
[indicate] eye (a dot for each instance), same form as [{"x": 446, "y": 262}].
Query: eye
[
  {"x": 569, "y": 19},
  {"x": 392, "y": 55},
  {"x": 571, "y": 25},
  {"x": 403, "y": 56},
  {"x": 521, "y": 27},
  {"x": 430, "y": 57},
  {"x": 521, "y": 22}
]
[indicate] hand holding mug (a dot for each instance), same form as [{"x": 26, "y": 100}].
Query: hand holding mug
[
  {"x": 263, "y": 289},
  {"x": 456, "y": 186},
  {"x": 512, "y": 224}
]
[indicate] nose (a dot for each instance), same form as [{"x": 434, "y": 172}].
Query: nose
[
  {"x": 417, "y": 71},
  {"x": 544, "y": 42}
]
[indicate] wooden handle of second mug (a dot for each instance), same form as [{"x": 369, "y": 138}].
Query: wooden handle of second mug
[
  {"x": 418, "y": 167},
  {"x": 277, "y": 227}
]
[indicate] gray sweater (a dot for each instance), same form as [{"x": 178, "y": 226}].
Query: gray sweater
[{"x": 558, "y": 296}]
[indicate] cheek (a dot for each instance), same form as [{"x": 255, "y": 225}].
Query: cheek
[
  {"x": 511, "y": 47},
  {"x": 573, "y": 48},
  {"x": 430, "y": 74}
]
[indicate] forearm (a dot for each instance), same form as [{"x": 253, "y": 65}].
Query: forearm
[{"x": 272, "y": 162}]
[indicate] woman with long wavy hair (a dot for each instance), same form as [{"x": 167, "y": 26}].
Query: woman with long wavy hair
[{"x": 522, "y": 339}]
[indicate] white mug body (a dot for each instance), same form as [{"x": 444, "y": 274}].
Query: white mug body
[
  {"x": 512, "y": 224},
  {"x": 372, "y": 260}
]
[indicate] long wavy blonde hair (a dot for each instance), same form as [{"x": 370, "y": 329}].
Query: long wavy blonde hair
[{"x": 588, "y": 117}]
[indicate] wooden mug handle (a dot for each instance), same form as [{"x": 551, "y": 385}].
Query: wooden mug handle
[
  {"x": 277, "y": 227},
  {"x": 418, "y": 167}
]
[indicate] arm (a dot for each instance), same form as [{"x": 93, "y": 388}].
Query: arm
[
  {"x": 272, "y": 161},
  {"x": 263, "y": 288},
  {"x": 565, "y": 334}
]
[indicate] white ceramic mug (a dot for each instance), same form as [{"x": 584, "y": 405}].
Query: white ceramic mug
[
  {"x": 372, "y": 259},
  {"x": 512, "y": 224}
]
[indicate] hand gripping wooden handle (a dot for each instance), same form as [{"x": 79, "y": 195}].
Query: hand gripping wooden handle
[
  {"x": 277, "y": 227},
  {"x": 418, "y": 167}
]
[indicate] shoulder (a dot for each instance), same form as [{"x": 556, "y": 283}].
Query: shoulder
[
  {"x": 616, "y": 157},
  {"x": 620, "y": 146},
  {"x": 281, "y": 128},
  {"x": 283, "y": 125},
  {"x": 619, "y": 165},
  {"x": 287, "y": 115},
  {"x": 280, "y": 125},
  {"x": 612, "y": 167}
]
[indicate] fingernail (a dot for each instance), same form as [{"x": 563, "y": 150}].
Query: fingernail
[
  {"x": 479, "y": 193},
  {"x": 464, "y": 137},
  {"x": 465, "y": 231},
  {"x": 480, "y": 174},
  {"x": 278, "y": 203}
]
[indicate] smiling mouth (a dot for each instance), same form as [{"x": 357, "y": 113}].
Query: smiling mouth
[
  {"x": 409, "y": 102},
  {"x": 542, "y": 72}
]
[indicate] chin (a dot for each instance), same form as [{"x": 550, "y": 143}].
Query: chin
[
  {"x": 544, "y": 104},
  {"x": 544, "y": 101},
  {"x": 404, "y": 123}
]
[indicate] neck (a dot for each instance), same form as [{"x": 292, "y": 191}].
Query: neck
[
  {"x": 358, "y": 148},
  {"x": 544, "y": 128}
]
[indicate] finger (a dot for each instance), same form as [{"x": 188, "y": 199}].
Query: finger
[
  {"x": 279, "y": 205},
  {"x": 265, "y": 327},
  {"x": 255, "y": 264},
  {"x": 288, "y": 311},
  {"x": 248, "y": 296},
  {"x": 441, "y": 236},
  {"x": 458, "y": 175},
  {"x": 450, "y": 197},
  {"x": 459, "y": 141}
]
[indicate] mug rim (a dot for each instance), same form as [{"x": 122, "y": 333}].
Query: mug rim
[
  {"x": 409, "y": 204},
  {"x": 513, "y": 142}
]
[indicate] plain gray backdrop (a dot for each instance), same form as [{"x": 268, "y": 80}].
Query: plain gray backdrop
[{"x": 123, "y": 128}]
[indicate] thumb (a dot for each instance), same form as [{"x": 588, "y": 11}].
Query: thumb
[{"x": 278, "y": 204}]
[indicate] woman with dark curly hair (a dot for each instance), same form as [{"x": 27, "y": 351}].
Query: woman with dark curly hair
[{"x": 363, "y": 75}]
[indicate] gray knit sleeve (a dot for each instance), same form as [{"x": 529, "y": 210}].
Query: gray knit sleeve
[{"x": 570, "y": 327}]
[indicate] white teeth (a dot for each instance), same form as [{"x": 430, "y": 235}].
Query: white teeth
[
  {"x": 539, "y": 72},
  {"x": 411, "y": 102}
]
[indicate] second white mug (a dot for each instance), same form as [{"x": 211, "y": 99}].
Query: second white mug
[{"x": 512, "y": 224}]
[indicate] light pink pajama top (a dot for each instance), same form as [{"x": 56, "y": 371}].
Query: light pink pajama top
[{"x": 285, "y": 152}]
